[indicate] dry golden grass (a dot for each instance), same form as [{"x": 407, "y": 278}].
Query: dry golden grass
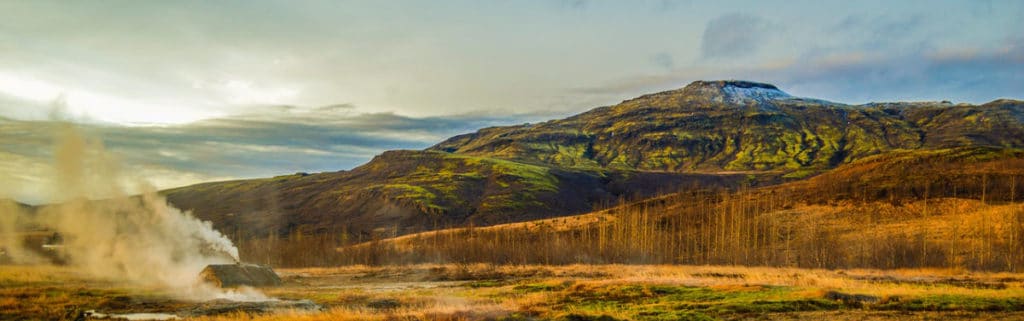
[
  {"x": 656, "y": 274},
  {"x": 12, "y": 274},
  {"x": 941, "y": 232},
  {"x": 565, "y": 223},
  {"x": 483, "y": 292}
]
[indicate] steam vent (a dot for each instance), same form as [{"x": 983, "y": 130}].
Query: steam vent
[{"x": 241, "y": 274}]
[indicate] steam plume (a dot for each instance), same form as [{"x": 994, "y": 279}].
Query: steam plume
[{"x": 111, "y": 234}]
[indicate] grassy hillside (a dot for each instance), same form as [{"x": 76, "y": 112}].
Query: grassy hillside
[
  {"x": 400, "y": 192},
  {"x": 699, "y": 128},
  {"x": 982, "y": 173},
  {"x": 970, "y": 218}
]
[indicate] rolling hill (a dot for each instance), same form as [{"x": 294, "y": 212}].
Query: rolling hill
[
  {"x": 708, "y": 135},
  {"x": 949, "y": 208}
]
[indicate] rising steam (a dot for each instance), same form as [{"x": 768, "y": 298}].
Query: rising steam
[{"x": 111, "y": 234}]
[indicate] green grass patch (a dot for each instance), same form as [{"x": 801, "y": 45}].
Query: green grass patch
[
  {"x": 539, "y": 287},
  {"x": 662, "y": 302},
  {"x": 486, "y": 284},
  {"x": 954, "y": 303}
]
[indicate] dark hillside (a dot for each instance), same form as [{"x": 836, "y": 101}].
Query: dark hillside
[{"x": 401, "y": 192}]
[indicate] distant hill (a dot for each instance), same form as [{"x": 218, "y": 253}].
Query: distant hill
[{"x": 708, "y": 135}]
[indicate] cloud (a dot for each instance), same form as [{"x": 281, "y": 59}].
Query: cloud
[
  {"x": 733, "y": 35},
  {"x": 267, "y": 142},
  {"x": 974, "y": 75},
  {"x": 886, "y": 32},
  {"x": 663, "y": 6},
  {"x": 179, "y": 63},
  {"x": 574, "y": 4},
  {"x": 982, "y": 8},
  {"x": 663, "y": 60}
]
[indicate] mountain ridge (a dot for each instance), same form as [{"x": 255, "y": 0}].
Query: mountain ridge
[{"x": 699, "y": 123}]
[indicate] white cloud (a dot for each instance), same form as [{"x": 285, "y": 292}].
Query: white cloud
[
  {"x": 245, "y": 92},
  {"x": 80, "y": 103},
  {"x": 28, "y": 88},
  {"x": 734, "y": 35}
]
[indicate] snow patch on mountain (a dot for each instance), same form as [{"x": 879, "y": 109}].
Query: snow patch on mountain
[{"x": 742, "y": 94}]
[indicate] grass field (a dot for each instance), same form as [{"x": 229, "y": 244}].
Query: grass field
[{"x": 575, "y": 292}]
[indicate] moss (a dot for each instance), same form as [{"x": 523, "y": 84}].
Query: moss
[
  {"x": 416, "y": 194},
  {"x": 441, "y": 180},
  {"x": 532, "y": 177},
  {"x": 407, "y": 191},
  {"x": 510, "y": 202}
]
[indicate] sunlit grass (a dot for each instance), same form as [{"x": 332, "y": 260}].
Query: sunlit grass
[{"x": 570, "y": 292}]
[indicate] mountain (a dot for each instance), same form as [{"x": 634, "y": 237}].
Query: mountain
[
  {"x": 708, "y": 135},
  {"x": 711, "y": 126}
]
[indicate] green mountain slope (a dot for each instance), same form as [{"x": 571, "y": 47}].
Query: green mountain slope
[{"x": 742, "y": 126}]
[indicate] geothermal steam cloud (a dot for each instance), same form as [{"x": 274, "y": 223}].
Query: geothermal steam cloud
[{"x": 109, "y": 233}]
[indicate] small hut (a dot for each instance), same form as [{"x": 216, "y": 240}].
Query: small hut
[{"x": 241, "y": 274}]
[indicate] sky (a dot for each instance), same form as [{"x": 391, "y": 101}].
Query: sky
[{"x": 192, "y": 91}]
